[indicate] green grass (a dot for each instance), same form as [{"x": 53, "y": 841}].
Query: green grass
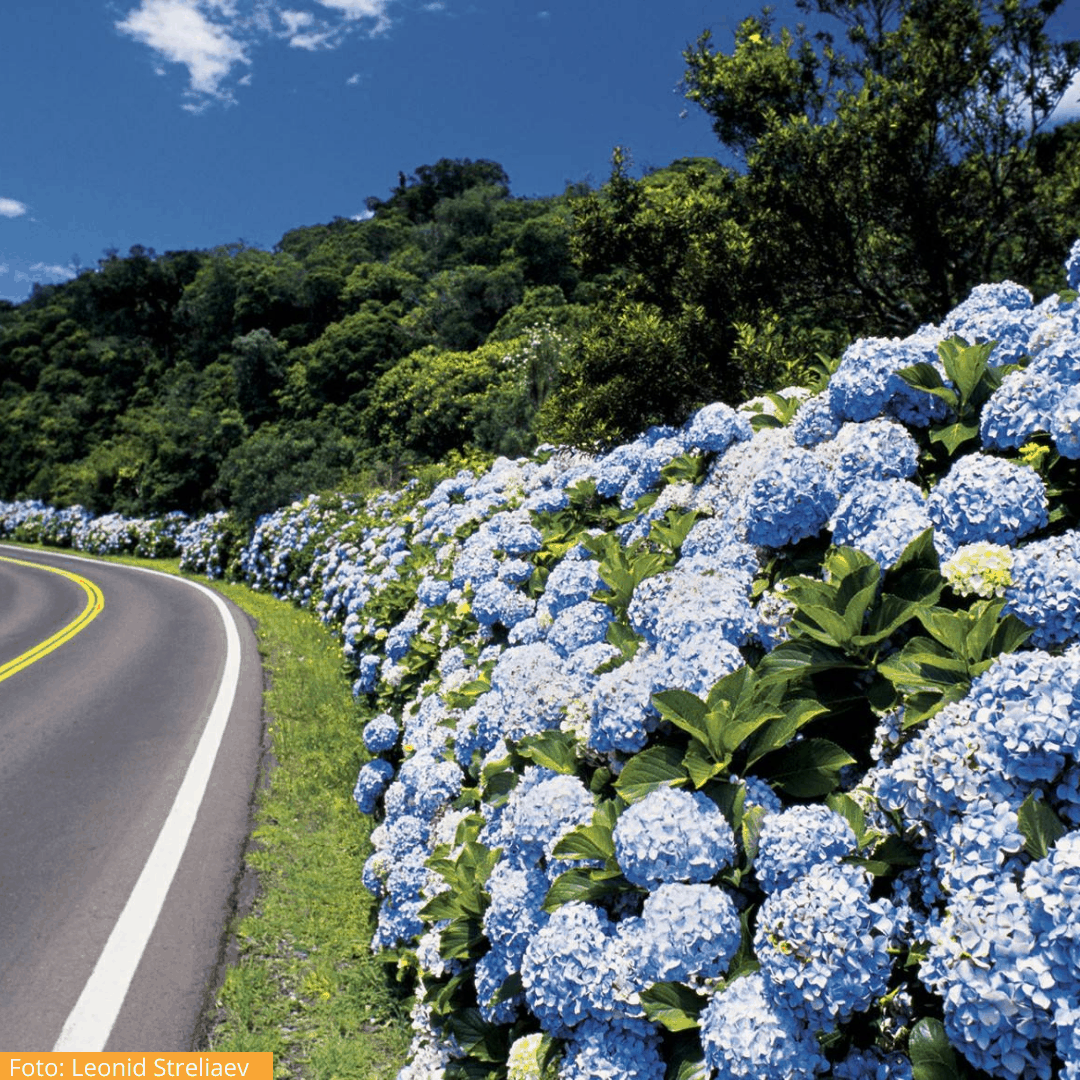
[{"x": 303, "y": 982}]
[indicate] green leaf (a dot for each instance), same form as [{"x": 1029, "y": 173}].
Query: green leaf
[
  {"x": 461, "y": 939},
  {"x": 592, "y": 841},
  {"x": 624, "y": 639},
  {"x": 799, "y": 659},
  {"x": 931, "y": 1053},
  {"x": 851, "y": 812},
  {"x": 585, "y": 885},
  {"x": 684, "y": 710},
  {"x": 700, "y": 764},
  {"x": 673, "y": 1004},
  {"x": 807, "y": 770},
  {"x": 953, "y": 436},
  {"x": 926, "y": 377},
  {"x": 797, "y": 712},
  {"x": 556, "y": 750},
  {"x": 478, "y": 1038},
  {"x": 652, "y": 768},
  {"x": 1040, "y": 827},
  {"x": 686, "y": 1059},
  {"x": 1010, "y": 634},
  {"x": 965, "y": 364}
]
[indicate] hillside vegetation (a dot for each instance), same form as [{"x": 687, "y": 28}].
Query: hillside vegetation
[{"x": 877, "y": 175}]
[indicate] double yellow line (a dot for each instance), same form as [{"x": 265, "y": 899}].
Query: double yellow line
[{"x": 95, "y": 602}]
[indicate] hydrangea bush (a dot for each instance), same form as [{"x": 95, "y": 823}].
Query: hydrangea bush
[{"x": 750, "y": 748}]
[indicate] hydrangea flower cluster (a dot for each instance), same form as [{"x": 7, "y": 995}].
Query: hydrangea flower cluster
[{"x": 672, "y": 835}]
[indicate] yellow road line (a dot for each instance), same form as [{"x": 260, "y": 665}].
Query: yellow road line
[{"x": 95, "y": 602}]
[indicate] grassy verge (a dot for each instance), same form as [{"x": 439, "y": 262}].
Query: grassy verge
[
  {"x": 305, "y": 984},
  {"x": 302, "y": 981}
]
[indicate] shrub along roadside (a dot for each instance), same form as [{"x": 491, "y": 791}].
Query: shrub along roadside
[{"x": 301, "y": 980}]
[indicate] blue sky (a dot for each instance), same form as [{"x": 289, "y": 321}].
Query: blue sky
[{"x": 190, "y": 123}]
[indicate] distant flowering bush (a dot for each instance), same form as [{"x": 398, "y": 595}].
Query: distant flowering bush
[{"x": 748, "y": 749}]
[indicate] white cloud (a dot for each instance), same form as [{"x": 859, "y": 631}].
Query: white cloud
[
  {"x": 214, "y": 38},
  {"x": 363, "y": 9},
  {"x": 43, "y": 271},
  {"x": 181, "y": 33},
  {"x": 295, "y": 20},
  {"x": 354, "y": 80},
  {"x": 3, "y": 268},
  {"x": 364, "y": 215},
  {"x": 12, "y": 208}
]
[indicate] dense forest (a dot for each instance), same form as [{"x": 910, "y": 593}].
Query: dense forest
[{"x": 878, "y": 174}]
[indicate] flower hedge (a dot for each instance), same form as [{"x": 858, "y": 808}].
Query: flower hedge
[{"x": 750, "y": 748}]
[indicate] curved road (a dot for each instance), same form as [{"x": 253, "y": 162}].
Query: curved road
[{"x": 96, "y": 737}]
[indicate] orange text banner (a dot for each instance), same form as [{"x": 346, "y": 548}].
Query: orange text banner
[{"x": 72, "y": 1066}]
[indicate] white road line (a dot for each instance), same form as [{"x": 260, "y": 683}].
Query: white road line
[{"x": 90, "y": 1022}]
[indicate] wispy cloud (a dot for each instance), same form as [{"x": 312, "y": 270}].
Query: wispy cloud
[
  {"x": 183, "y": 32},
  {"x": 12, "y": 208},
  {"x": 3, "y": 268},
  {"x": 215, "y": 38},
  {"x": 43, "y": 272}
]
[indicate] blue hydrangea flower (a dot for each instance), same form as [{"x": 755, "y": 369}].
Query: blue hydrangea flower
[
  {"x": 1002, "y": 312},
  {"x": 872, "y": 1064},
  {"x": 880, "y": 517},
  {"x": 496, "y": 602},
  {"x": 1021, "y": 406},
  {"x": 981, "y": 843},
  {"x": 490, "y": 973},
  {"x": 748, "y": 1035},
  {"x": 879, "y": 449},
  {"x": 621, "y": 713},
  {"x": 823, "y": 944},
  {"x": 690, "y": 600},
  {"x": 815, "y": 421},
  {"x": 866, "y": 384},
  {"x": 431, "y": 592},
  {"x": 1072, "y": 266},
  {"x": 572, "y": 581},
  {"x": 540, "y": 814},
  {"x": 618, "y": 1049},
  {"x": 516, "y": 911},
  {"x": 789, "y": 500},
  {"x": 794, "y": 841},
  {"x": 672, "y": 835},
  {"x": 994, "y": 978},
  {"x": 579, "y": 626},
  {"x": 571, "y": 969},
  {"x": 715, "y": 427},
  {"x": 1044, "y": 591},
  {"x": 988, "y": 498},
  {"x": 371, "y": 783},
  {"x": 687, "y": 930},
  {"x": 1065, "y": 424},
  {"x": 381, "y": 733}
]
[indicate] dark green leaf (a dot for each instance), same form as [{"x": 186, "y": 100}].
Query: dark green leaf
[
  {"x": 686, "y": 1059},
  {"x": 587, "y": 886},
  {"x": 953, "y": 436},
  {"x": 478, "y": 1038},
  {"x": 931, "y": 1053},
  {"x": 806, "y": 770},
  {"x": 673, "y": 1004},
  {"x": 1040, "y": 827}
]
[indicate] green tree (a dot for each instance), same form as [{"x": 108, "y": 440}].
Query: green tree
[{"x": 887, "y": 173}]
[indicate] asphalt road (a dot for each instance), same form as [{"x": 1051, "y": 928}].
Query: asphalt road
[{"x": 96, "y": 738}]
